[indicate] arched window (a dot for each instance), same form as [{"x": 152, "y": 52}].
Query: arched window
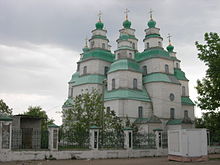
[
  {"x": 113, "y": 83},
  {"x": 166, "y": 68},
  {"x": 145, "y": 70},
  {"x": 106, "y": 70},
  {"x": 130, "y": 55},
  {"x": 140, "y": 112},
  {"x": 177, "y": 65},
  {"x": 172, "y": 113},
  {"x": 85, "y": 70},
  {"x": 103, "y": 45},
  {"x": 135, "y": 83},
  {"x": 77, "y": 67},
  {"x": 147, "y": 45},
  {"x": 108, "y": 109},
  {"x": 133, "y": 45},
  {"x": 186, "y": 114},
  {"x": 92, "y": 44},
  {"x": 183, "y": 91},
  {"x": 159, "y": 44}
]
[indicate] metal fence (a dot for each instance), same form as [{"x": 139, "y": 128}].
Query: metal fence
[
  {"x": 29, "y": 138},
  {"x": 144, "y": 140},
  {"x": 111, "y": 140},
  {"x": 70, "y": 140},
  {"x": 213, "y": 138}
]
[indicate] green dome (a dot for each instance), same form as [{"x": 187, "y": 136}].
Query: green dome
[
  {"x": 99, "y": 25},
  {"x": 127, "y": 24},
  {"x": 170, "y": 48},
  {"x": 151, "y": 23}
]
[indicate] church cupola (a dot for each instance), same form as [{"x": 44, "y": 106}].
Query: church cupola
[
  {"x": 99, "y": 39},
  {"x": 152, "y": 38}
]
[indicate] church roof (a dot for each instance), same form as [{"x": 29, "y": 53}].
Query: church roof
[
  {"x": 160, "y": 77},
  {"x": 186, "y": 100},
  {"x": 179, "y": 74},
  {"x": 179, "y": 121},
  {"x": 127, "y": 94},
  {"x": 88, "y": 79},
  {"x": 68, "y": 103},
  {"x": 4, "y": 117},
  {"x": 99, "y": 54},
  {"x": 125, "y": 64},
  {"x": 152, "y": 119}
]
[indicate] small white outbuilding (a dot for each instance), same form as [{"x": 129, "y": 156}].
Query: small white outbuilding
[{"x": 187, "y": 145}]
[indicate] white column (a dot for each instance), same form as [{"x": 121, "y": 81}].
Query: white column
[
  {"x": 158, "y": 139},
  {"x": 53, "y": 137},
  {"x": 94, "y": 137},
  {"x": 128, "y": 140}
]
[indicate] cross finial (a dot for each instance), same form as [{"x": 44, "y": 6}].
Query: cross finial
[
  {"x": 126, "y": 13},
  {"x": 169, "y": 36},
  {"x": 86, "y": 44},
  {"x": 151, "y": 11},
  {"x": 99, "y": 15}
]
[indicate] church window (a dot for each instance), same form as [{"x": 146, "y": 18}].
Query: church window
[
  {"x": 145, "y": 70},
  {"x": 140, "y": 112},
  {"x": 147, "y": 45},
  {"x": 186, "y": 114},
  {"x": 159, "y": 44},
  {"x": 183, "y": 91},
  {"x": 177, "y": 65},
  {"x": 172, "y": 113},
  {"x": 113, "y": 83},
  {"x": 166, "y": 68},
  {"x": 135, "y": 83},
  {"x": 103, "y": 45},
  {"x": 106, "y": 70},
  {"x": 77, "y": 67},
  {"x": 71, "y": 92},
  {"x": 85, "y": 70},
  {"x": 130, "y": 55},
  {"x": 172, "y": 97},
  {"x": 108, "y": 110},
  {"x": 133, "y": 45},
  {"x": 92, "y": 44}
]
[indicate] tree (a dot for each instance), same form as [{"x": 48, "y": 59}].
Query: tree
[
  {"x": 4, "y": 108},
  {"x": 37, "y": 111},
  {"x": 209, "y": 87}
]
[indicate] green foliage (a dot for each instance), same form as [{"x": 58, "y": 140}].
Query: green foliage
[
  {"x": 37, "y": 111},
  {"x": 211, "y": 121},
  {"x": 209, "y": 87},
  {"x": 88, "y": 110},
  {"x": 4, "y": 108}
]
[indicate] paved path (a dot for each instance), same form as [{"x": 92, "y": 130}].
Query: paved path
[{"x": 215, "y": 160}]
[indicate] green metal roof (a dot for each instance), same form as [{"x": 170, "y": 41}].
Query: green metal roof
[
  {"x": 53, "y": 126},
  {"x": 151, "y": 36},
  {"x": 126, "y": 37},
  {"x": 4, "y": 117},
  {"x": 94, "y": 127},
  {"x": 179, "y": 74},
  {"x": 186, "y": 100},
  {"x": 152, "y": 53},
  {"x": 125, "y": 47},
  {"x": 89, "y": 79},
  {"x": 174, "y": 122},
  {"x": 160, "y": 77},
  {"x": 100, "y": 37},
  {"x": 124, "y": 64},
  {"x": 68, "y": 103},
  {"x": 100, "y": 54},
  {"x": 127, "y": 94},
  {"x": 141, "y": 121},
  {"x": 152, "y": 119},
  {"x": 74, "y": 77}
]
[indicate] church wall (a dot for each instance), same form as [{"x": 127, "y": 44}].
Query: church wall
[
  {"x": 160, "y": 96},
  {"x": 99, "y": 32},
  {"x": 153, "y": 42},
  {"x": 190, "y": 110},
  {"x": 157, "y": 65},
  {"x": 124, "y": 79},
  {"x": 98, "y": 43},
  {"x": 94, "y": 66}
]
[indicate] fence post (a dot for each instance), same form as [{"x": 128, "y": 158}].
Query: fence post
[
  {"x": 53, "y": 137},
  {"x": 128, "y": 140},
  {"x": 158, "y": 133},
  {"x": 94, "y": 137},
  {"x": 5, "y": 132}
]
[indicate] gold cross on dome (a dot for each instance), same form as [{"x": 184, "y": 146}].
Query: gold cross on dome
[
  {"x": 99, "y": 15},
  {"x": 151, "y": 11},
  {"x": 169, "y": 36},
  {"x": 126, "y": 13}
]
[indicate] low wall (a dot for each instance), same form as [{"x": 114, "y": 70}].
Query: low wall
[
  {"x": 214, "y": 149},
  {"x": 90, "y": 154}
]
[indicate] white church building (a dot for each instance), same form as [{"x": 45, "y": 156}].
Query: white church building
[{"x": 147, "y": 87}]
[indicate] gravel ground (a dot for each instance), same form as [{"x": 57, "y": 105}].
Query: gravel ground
[{"x": 214, "y": 160}]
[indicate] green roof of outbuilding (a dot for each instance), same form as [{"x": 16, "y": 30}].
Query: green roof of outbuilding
[
  {"x": 152, "y": 119},
  {"x": 124, "y": 64},
  {"x": 89, "y": 79},
  {"x": 100, "y": 54},
  {"x": 175, "y": 122},
  {"x": 4, "y": 117},
  {"x": 179, "y": 74},
  {"x": 53, "y": 126},
  {"x": 160, "y": 77},
  {"x": 127, "y": 94},
  {"x": 68, "y": 103},
  {"x": 186, "y": 100},
  {"x": 152, "y": 53}
]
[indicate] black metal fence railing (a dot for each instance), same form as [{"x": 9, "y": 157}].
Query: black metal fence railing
[
  {"x": 144, "y": 140},
  {"x": 111, "y": 140},
  {"x": 70, "y": 140},
  {"x": 213, "y": 139},
  {"x": 28, "y": 138}
]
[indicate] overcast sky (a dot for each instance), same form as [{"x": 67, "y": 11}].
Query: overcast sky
[{"x": 40, "y": 42}]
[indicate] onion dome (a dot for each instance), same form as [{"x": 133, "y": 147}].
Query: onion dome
[
  {"x": 151, "y": 23},
  {"x": 170, "y": 48},
  {"x": 127, "y": 24},
  {"x": 99, "y": 25}
]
